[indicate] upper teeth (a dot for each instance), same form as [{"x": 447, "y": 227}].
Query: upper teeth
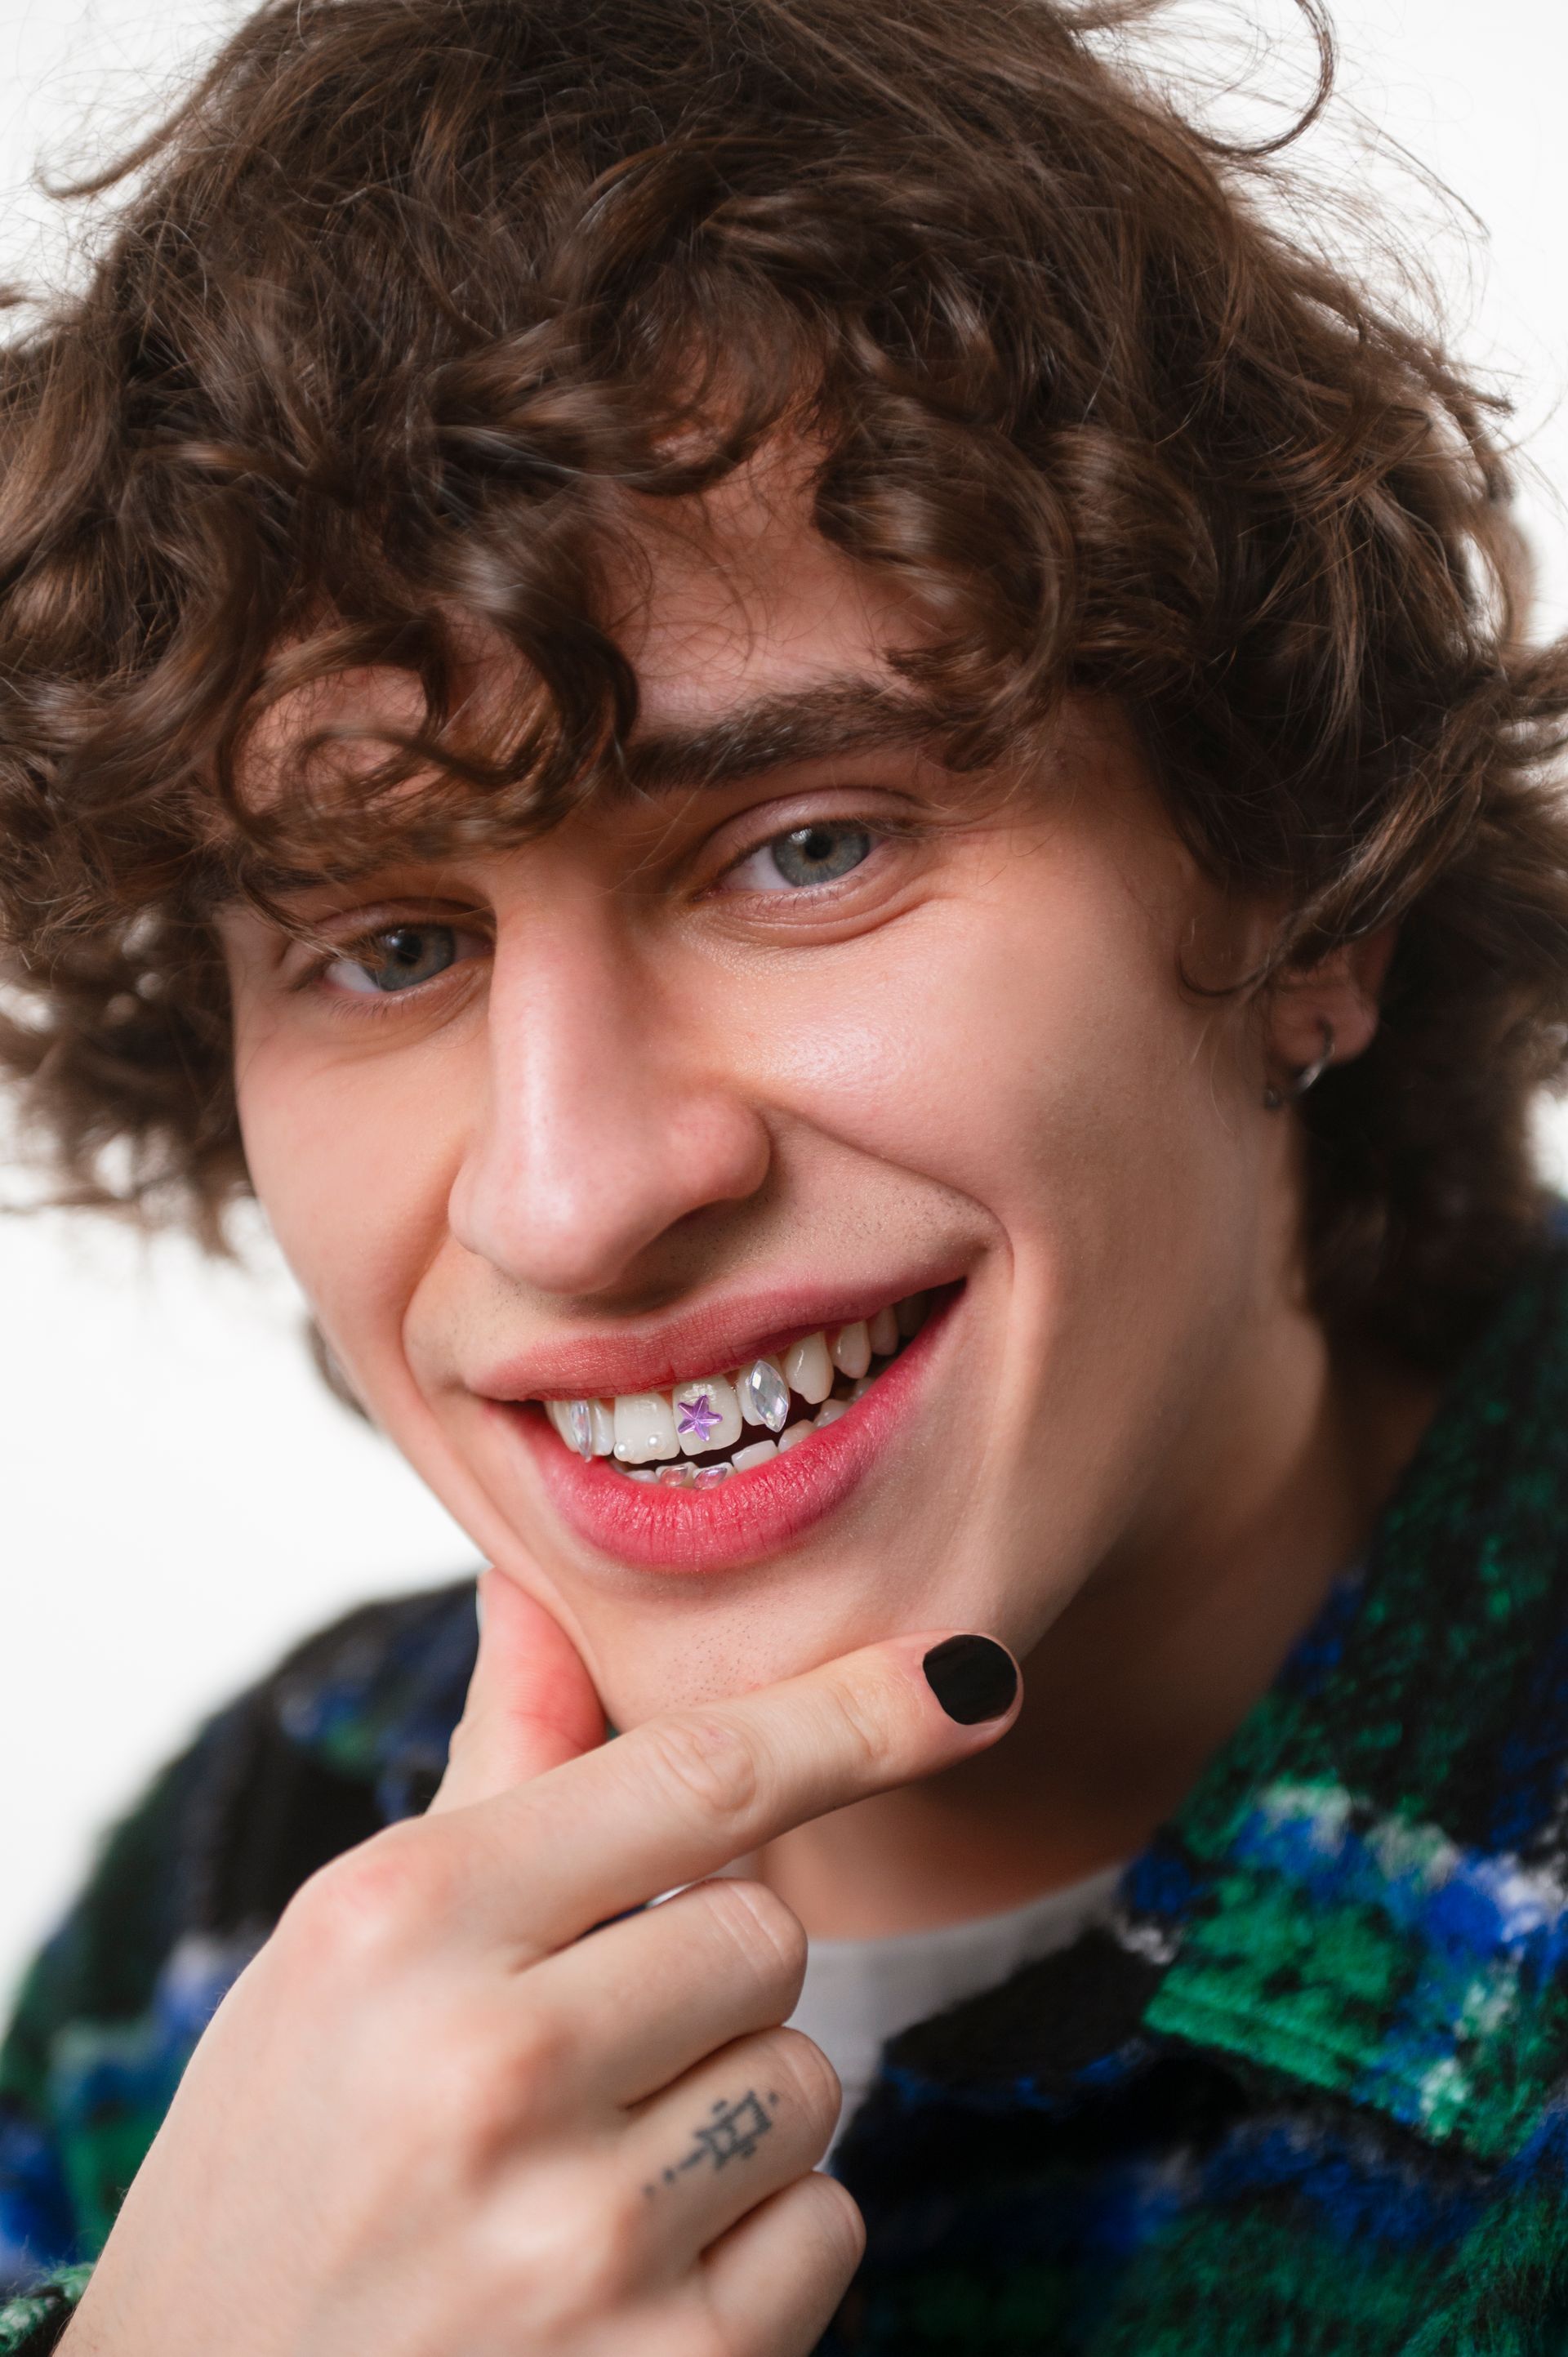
[{"x": 694, "y": 1418}]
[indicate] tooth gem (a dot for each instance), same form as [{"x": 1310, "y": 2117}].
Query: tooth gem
[
  {"x": 764, "y": 1395},
  {"x": 695, "y": 1418},
  {"x": 580, "y": 1427}
]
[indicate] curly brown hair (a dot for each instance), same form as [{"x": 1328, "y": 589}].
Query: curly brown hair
[{"x": 410, "y": 296}]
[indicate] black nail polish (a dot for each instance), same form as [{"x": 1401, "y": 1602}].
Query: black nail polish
[{"x": 973, "y": 1678}]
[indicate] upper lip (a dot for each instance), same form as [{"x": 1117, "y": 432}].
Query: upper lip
[{"x": 701, "y": 1341}]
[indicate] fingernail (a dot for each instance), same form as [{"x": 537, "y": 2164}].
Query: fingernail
[{"x": 973, "y": 1678}]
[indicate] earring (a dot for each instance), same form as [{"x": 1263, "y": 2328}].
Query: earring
[{"x": 1276, "y": 1098}]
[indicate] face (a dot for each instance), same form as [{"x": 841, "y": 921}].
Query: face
[{"x": 814, "y": 1087}]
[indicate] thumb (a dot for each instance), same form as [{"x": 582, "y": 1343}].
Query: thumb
[{"x": 530, "y": 1703}]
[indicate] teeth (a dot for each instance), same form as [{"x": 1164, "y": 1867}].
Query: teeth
[
  {"x": 707, "y": 1415},
  {"x": 883, "y": 1333},
  {"x": 644, "y": 1428},
  {"x": 808, "y": 1370},
  {"x": 764, "y": 1395},
  {"x": 652, "y": 1432}
]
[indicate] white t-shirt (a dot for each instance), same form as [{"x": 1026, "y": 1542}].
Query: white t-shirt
[{"x": 860, "y": 1993}]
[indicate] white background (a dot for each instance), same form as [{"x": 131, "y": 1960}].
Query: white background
[{"x": 178, "y": 1497}]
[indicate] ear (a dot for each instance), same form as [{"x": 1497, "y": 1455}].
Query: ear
[{"x": 1343, "y": 992}]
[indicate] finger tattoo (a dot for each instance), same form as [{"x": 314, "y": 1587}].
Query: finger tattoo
[{"x": 732, "y": 2133}]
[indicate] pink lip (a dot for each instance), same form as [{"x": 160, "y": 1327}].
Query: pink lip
[
  {"x": 719, "y": 1334},
  {"x": 747, "y": 1517}
]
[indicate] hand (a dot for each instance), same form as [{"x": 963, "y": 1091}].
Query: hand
[{"x": 433, "y": 2116}]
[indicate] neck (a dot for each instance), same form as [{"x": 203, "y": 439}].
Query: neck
[{"x": 1158, "y": 1657}]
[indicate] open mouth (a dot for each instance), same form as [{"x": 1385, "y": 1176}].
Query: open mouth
[{"x": 702, "y": 1432}]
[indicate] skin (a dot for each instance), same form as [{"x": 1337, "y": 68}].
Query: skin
[
  {"x": 432, "y": 2113},
  {"x": 970, "y": 1058}
]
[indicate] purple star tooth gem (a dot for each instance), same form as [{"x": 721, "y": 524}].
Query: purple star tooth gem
[{"x": 696, "y": 1417}]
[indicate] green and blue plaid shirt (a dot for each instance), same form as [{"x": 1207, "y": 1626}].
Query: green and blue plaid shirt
[{"x": 1309, "y": 2092}]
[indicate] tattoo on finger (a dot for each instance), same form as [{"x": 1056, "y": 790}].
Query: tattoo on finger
[{"x": 733, "y": 2132}]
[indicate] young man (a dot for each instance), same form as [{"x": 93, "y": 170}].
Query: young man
[{"x": 827, "y": 779}]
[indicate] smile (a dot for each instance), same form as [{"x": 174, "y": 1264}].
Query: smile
[
  {"x": 693, "y": 1435},
  {"x": 708, "y": 1472}
]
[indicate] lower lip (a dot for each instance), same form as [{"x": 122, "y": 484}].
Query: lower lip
[{"x": 753, "y": 1515}]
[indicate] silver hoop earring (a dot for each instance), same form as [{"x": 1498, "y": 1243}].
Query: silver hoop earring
[{"x": 1276, "y": 1098}]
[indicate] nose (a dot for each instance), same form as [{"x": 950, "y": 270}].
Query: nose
[{"x": 608, "y": 1115}]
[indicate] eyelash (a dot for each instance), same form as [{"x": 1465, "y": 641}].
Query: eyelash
[{"x": 379, "y": 1006}]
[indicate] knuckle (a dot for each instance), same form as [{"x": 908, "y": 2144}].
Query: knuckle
[
  {"x": 709, "y": 1762},
  {"x": 814, "y": 2081},
  {"x": 767, "y": 1933},
  {"x": 482, "y": 2083},
  {"x": 599, "y": 2250},
  {"x": 364, "y": 1911},
  {"x": 869, "y": 1722},
  {"x": 835, "y": 2224}
]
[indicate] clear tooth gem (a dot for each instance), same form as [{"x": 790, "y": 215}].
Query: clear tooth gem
[
  {"x": 711, "y": 1476},
  {"x": 580, "y": 1427},
  {"x": 676, "y": 1476},
  {"x": 764, "y": 1391}
]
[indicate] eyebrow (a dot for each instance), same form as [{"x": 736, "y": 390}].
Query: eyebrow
[
  {"x": 776, "y": 732},
  {"x": 772, "y": 732}
]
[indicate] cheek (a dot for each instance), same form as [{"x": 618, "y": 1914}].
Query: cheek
[
  {"x": 352, "y": 1161},
  {"x": 1041, "y": 1047}
]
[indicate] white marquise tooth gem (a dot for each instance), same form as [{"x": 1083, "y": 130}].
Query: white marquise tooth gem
[
  {"x": 677, "y": 1477},
  {"x": 708, "y": 1477},
  {"x": 851, "y": 1349},
  {"x": 604, "y": 1416},
  {"x": 580, "y": 1428},
  {"x": 793, "y": 1434},
  {"x": 645, "y": 1427},
  {"x": 808, "y": 1370},
  {"x": 707, "y": 1414},
  {"x": 831, "y": 1412},
  {"x": 757, "y": 1454},
  {"x": 911, "y": 1314},
  {"x": 764, "y": 1395},
  {"x": 883, "y": 1333}
]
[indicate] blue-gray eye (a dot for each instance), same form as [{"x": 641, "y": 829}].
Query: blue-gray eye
[
  {"x": 396, "y": 960},
  {"x": 818, "y": 854}
]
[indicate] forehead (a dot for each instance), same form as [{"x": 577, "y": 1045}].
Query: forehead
[
  {"x": 739, "y": 597},
  {"x": 755, "y": 643}
]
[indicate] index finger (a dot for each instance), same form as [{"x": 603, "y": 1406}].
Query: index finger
[{"x": 688, "y": 1792}]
